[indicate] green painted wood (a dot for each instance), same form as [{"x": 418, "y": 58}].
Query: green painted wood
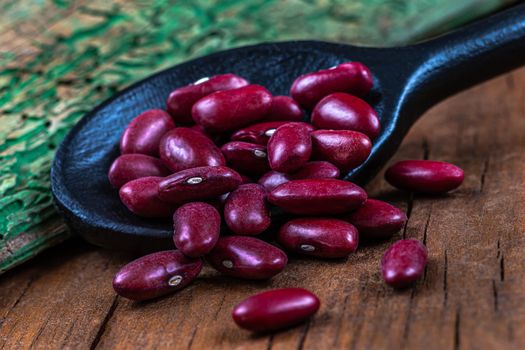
[{"x": 59, "y": 59}]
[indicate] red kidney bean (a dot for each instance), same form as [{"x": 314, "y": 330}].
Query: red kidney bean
[
  {"x": 198, "y": 183},
  {"x": 275, "y": 309},
  {"x": 377, "y": 219},
  {"x": 246, "y": 179},
  {"x": 260, "y": 133},
  {"x": 321, "y": 237},
  {"x": 425, "y": 176},
  {"x": 144, "y": 132},
  {"x": 245, "y": 157},
  {"x": 196, "y": 228},
  {"x": 285, "y": 108},
  {"x": 316, "y": 170},
  {"x": 344, "y": 148},
  {"x": 140, "y": 196},
  {"x": 272, "y": 179},
  {"x": 181, "y": 100},
  {"x": 342, "y": 111},
  {"x": 311, "y": 170},
  {"x": 184, "y": 148},
  {"x": 247, "y": 257},
  {"x": 290, "y": 147},
  {"x": 232, "y": 109},
  {"x": 403, "y": 263},
  {"x": 318, "y": 196},
  {"x": 129, "y": 167},
  {"x": 155, "y": 275},
  {"x": 351, "y": 77},
  {"x": 246, "y": 211}
]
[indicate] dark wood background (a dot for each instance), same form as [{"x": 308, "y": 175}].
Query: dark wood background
[{"x": 471, "y": 297}]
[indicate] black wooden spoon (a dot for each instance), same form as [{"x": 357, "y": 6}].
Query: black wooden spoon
[{"x": 408, "y": 80}]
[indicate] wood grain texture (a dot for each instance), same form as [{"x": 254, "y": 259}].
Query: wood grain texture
[
  {"x": 472, "y": 295},
  {"x": 59, "y": 59}
]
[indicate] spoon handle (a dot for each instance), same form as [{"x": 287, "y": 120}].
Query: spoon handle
[{"x": 466, "y": 57}]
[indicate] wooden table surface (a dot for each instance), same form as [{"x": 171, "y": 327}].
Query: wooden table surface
[{"x": 471, "y": 297}]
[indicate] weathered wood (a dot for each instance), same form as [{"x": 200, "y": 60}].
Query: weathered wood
[{"x": 472, "y": 295}]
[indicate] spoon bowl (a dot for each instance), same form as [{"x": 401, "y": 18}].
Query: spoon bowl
[{"x": 407, "y": 81}]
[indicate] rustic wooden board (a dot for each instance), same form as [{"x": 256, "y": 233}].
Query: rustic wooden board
[
  {"x": 472, "y": 295},
  {"x": 59, "y": 59}
]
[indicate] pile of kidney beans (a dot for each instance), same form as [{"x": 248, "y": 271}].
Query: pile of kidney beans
[{"x": 227, "y": 152}]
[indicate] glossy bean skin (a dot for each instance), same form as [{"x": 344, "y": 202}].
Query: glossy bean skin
[
  {"x": 156, "y": 274},
  {"x": 311, "y": 170},
  {"x": 143, "y": 134},
  {"x": 377, "y": 219},
  {"x": 275, "y": 309},
  {"x": 247, "y": 257},
  {"x": 285, "y": 108},
  {"x": 318, "y": 196},
  {"x": 342, "y": 111},
  {"x": 290, "y": 147},
  {"x": 404, "y": 262},
  {"x": 129, "y": 167},
  {"x": 425, "y": 176},
  {"x": 248, "y": 158},
  {"x": 141, "y": 197},
  {"x": 344, "y": 148},
  {"x": 196, "y": 228},
  {"x": 181, "y": 100},
  {"x": 258, "y": 133},
  {"x": 184, "y": 148},
  {"x": 272, "y": 179},
  {"x": 320, "y": 237},
  {"x": 351, "y": 77},
  {"x": 246, "y": 211},
  {"x": 198, "y": 184},
  {"x": 230, "y": 110}
]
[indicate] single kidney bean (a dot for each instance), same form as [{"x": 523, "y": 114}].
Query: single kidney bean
[
  {"x": 260, "y": 133},
  {"x": 246, "y": 257},
  {"x": 232, "y": 109},
  {"x": 316, "y": 170},
  {"x": 129, "y": 167},
  {"x": 342, "y": 111},
  {"x": 198, "y": 183},
  {"x": 351, "y": 77},
  {"x": 377, "y": 219},
  {"x": 184, "y": 148},
  {"x": 425, "y": 176},
  {"x": 196, "y": 228},
  {"x": 318, "y": 196},
  {"x": 290, "y": 147},
  {"x": 404, "y": 262},
  {"x": 321, "y": 237},
  {"x": 344, "y": 148},
  {"x": 272, "y": 179},
  {"x": 181, "y": 100},
  {"x": 285, "y": 108},
  {"x": 311, "y": 170},
  {"x": 246, "y": 211},
  {"x": 275, "y": 309},
  {"x": 248, "y": 158},
  {"x": 155, "y": 275},
  {"x": 144, "y": 132},
  {"x": 141, "y": 197}
]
